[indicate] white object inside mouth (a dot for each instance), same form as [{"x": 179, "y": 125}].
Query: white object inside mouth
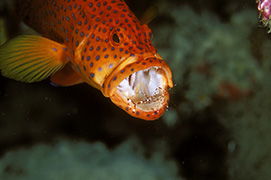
[{"x": 145, "y": 88}]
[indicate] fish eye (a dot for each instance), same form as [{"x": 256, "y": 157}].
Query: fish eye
[{"x": 116, "y": 38}]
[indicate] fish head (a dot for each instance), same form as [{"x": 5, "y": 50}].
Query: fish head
[
  {"x": 141, "y": 87},
  {"x": 122, "y": 62},
  {"x": 139, "y": 83}
]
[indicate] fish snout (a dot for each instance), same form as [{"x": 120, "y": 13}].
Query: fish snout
[{"x": 141, "y": 87}]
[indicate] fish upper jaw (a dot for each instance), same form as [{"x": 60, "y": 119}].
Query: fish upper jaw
[{"x": 140, "y": 87}]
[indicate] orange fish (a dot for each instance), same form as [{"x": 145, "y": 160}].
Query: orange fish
[{"x": 99, "y": 42}]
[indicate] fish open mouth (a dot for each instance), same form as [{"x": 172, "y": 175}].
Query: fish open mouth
[
  {"x": 145, "y": 89},
  {"x": 139, "y": 87}
]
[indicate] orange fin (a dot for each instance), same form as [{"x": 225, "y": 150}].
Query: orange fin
[
  {"x": 31, "y": 58},
  {"x": 149, "y": 14},
  {"x": 66, "y": 77}
]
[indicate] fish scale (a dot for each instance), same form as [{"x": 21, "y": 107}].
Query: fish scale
[{"x": 101, "y": 42}]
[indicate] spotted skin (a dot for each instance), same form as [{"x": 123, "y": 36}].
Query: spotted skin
[{"x": 99, "y": 39}]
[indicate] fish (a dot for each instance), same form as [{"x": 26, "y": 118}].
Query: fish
[{"x": 98, "y": 42}]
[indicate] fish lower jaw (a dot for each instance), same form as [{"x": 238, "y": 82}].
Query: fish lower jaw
[
  {"x": 148, "y": 103},
  {"x": 145, "y": 90}
]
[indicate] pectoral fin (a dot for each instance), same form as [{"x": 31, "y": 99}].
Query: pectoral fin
[
  {"x": 31, "y": 58},
  {"x": 66, "y": 77}
]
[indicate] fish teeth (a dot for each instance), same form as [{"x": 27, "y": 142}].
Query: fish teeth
[
  {"x": 132, "y": 79},
  {"x": 142, "y": 85},
  {"x": 155, "y": 81}
]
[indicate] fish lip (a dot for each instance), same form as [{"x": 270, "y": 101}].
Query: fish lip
[
  {"x": 134, "y": 110},
  {"x": 160, "y": 102}
]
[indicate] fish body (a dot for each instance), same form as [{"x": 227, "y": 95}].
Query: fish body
[{"x": 99, "y": 42}]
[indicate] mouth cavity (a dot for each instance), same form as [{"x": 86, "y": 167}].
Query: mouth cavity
[{"x": 145, "y": 89}]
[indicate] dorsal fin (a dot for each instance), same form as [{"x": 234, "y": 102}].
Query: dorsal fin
[{"x": 149, "y": 14}]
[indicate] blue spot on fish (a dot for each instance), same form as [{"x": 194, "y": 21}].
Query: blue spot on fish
[{"x": 92, "y": 75}]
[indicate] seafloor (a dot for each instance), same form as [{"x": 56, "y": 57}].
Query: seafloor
[{"x": 217, "y": 127}]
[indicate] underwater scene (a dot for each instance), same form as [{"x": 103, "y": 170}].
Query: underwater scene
[{"x": 198, "y": 110}]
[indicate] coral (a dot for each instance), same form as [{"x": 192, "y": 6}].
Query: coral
[
  {"x": 74, "y": 160},
  {"x": 264, "y": 7},
  {"x": 250, "y": 124},
  {"x": 209, "y": 58},
  {"x": 214, "y": 59},
  {"x": 249, "y": 121},
  {"x": 214, "y": 51}
]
